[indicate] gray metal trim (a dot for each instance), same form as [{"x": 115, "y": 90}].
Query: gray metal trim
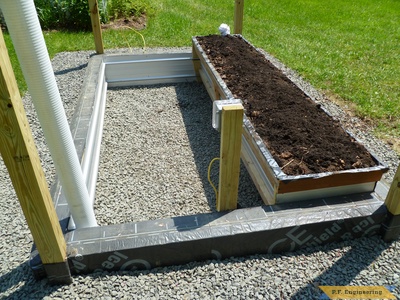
[{"x": 149, "y": 69}]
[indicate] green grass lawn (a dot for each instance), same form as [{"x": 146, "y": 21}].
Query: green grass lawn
[{"x": 348, "y": 49}]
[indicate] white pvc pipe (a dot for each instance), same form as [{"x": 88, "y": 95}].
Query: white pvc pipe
[
  {"x": 26, "y": 34},
  {"x": 91, "y": 157}
]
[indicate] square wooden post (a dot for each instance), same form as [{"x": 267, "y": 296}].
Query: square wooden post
[
  {"x": 196, "y": 63},
  {"x": 96, "y": 26},
  {"x": 391, "y": 226},
  {"x": 231, "y": 143},
  {"x": 238, "y": 17},
  {"x": 21, "y": 158}
]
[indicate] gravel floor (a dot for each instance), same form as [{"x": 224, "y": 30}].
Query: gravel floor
[
  {"x": 135, "y": 184},
  {"x": 165, "y": 175}
]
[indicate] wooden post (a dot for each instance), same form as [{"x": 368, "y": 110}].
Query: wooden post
[
  {"x": 196, "y": 63},
  {"x": 238, "y": 17},
  {"x": 96, "y": 27},
  {"x": 391, "y": 226},
  {"x": 229, "y": 170},
  {"x": 393, "y": 197},
  {"x": 22, "y": 161}
]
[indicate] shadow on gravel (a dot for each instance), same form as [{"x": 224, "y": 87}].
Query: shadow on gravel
[
  {"x": 361, "y": 256},
  {"x": 66, "y": 71},
  {"x": 196, "y": 109},
  {"x": 24, "y": 285}
]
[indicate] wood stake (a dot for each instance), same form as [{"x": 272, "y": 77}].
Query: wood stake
[
  {"x": 393, "y": 197},
  {"x": 196, "y": 63},
  {"x": 22, "y": 161},
  {"x": 96, "y": 27},
  {"x": 238, "y": 17},
  {"x": 231, "y": 143}
]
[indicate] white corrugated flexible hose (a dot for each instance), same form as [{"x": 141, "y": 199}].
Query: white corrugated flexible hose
[{"x": 27, "y": 37}]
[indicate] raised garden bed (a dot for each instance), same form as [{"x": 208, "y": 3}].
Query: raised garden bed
[{"x": 292, "y": 147}]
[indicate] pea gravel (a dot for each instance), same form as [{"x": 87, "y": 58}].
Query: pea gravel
[{"x": 156, "y": 148}]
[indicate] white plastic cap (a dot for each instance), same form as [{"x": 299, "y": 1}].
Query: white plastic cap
[{"x": 224, "y": 29}]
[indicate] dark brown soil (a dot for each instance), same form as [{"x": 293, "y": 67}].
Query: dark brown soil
[{"x": 302, "y": 138}]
